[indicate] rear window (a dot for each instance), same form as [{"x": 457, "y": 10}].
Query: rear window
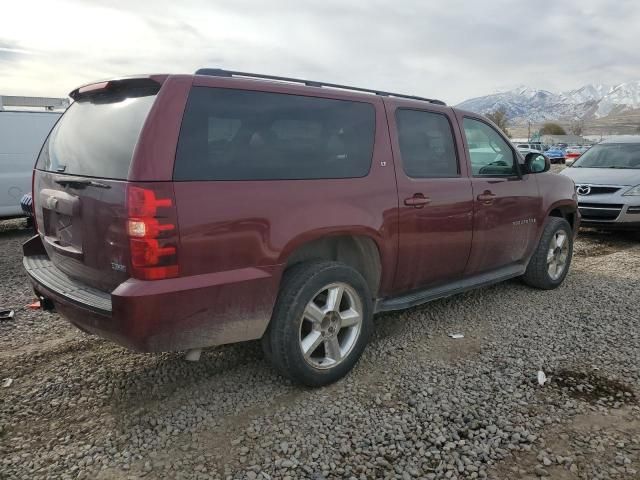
[
  {"x": 229, "y": 134},
  {"x": 96, "y": 136}
]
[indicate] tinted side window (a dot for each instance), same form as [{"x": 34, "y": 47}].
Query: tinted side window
[
  {"x": 231, "y": 134},
  {"x": 426, "y": 144},
  {"x": 490, "y": 155}
]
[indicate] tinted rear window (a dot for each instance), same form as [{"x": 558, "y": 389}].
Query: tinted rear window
[
  {"x": 231, "y": 134},
  {"x": 96, "y": 137}
]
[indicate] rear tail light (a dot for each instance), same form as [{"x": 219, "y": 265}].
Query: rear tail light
[{"x": 151, "y": 227}]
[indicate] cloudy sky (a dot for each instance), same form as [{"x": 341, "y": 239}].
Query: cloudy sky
[{"x": 451, "y": 50}]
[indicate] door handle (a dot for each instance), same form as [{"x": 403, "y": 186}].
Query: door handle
[
  {"x": 486, "y": 197},
  {"x": 417, "y": 201}
]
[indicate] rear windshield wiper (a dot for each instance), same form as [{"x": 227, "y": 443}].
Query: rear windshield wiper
[{"x": 80, "y": 183}]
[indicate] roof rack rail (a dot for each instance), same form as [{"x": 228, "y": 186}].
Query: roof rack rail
[{"x": 218, "y": 72}]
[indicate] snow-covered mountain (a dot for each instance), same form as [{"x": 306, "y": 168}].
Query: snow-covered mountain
[
  {"x": 587, "y": 93},
  {"x": 587, "y": 102}
]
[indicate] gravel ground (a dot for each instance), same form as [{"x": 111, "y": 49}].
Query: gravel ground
[{"x": 418, "y": 405}]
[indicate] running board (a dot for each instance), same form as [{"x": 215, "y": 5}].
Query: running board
[{"x": 423, "y": 296}]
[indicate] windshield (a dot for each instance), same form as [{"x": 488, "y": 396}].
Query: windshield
[
  {"x": 610, "y": 155},
  {"x": 96, "y": 136}
]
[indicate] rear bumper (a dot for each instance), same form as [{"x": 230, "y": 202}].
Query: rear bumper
[{"x": 162, "y": 315}]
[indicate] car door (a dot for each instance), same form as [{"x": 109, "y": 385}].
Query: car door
[
  {"x": 506, "y": 203},
  {"x": 435, "y": 197}
]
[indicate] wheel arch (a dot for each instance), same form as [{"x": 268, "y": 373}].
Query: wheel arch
[
  {"x": 359, "y": 251},
  {"x": 568, "y": 211}
]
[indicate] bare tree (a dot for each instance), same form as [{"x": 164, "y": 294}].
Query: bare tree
[
  {"x": 499, "y": 117},
  {"x": 577, "y": 127}
]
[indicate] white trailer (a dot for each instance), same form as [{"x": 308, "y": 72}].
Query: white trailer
[{"x": 22, "y": 133}]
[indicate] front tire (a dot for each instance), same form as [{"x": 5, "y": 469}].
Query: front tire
[
  {"x": 550, "y": 262},
  {"x": 321, "y": 323}
]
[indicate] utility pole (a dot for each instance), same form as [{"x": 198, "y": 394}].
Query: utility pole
[{"x": 529, "y": 134}]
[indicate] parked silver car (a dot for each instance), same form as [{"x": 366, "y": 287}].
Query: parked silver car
[{"x": 607, "y": 178}]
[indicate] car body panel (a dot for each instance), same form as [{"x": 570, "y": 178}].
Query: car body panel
[
  {"x": 83, "y": 229},
  {"x": 514, "y": 213},
  {"x": 603, "y": 176},
  {"x": 449, "y": 211},
  {"x": 21, "y": 136},
  {"x": 155, "y": 152}
]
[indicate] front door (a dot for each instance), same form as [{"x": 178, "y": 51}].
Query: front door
[
  {"x": 435, "y": 198},
  {"x": 506, "y": 203}
]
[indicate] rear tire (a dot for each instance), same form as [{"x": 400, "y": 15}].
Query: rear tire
[
  {"x": 550, "y": 262},
  {"x": 321, "y": 323}
]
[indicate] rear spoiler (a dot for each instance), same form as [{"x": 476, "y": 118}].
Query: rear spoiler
[{"x": 119, "y": 88}]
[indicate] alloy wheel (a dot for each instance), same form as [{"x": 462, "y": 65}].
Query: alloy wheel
[
  {"x": 558, "y": 254},
  {"x": 330, "y": 326}
]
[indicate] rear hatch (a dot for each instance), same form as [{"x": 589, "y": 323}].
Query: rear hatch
[{"x": 80, "y": 182}]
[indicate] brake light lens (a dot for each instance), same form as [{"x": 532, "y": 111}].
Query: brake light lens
[
  {"x": 144, "y": 203},
  {"x": 93, "y": 87},
  {"x": 151, "y": 227}
]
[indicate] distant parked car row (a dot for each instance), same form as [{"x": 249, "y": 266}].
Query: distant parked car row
[
  {"x": 554, "y": 155},
  {"x": 574, "y": 152}
]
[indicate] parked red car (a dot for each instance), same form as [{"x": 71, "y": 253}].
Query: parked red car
[{"x": 176, "y": 212}]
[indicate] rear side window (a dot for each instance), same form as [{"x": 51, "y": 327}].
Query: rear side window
[
  {"x": 231, "y": 134},
  {"x": 426, "y": 144},
  {"x": 96, "y": 136}
]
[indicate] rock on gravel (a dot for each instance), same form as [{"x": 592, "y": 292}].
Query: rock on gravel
[{"x": 418, "y": 405}]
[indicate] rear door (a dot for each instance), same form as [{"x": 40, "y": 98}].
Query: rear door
[
  {"x": 506, "y": 203},
  {"x": 435, "y": 198},
  {"x": 80, "y": 181}
]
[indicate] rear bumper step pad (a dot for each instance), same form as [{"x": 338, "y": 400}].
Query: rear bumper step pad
[{"x": 44, "y": 272}]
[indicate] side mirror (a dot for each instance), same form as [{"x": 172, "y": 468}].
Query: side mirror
[{"x": 536, "y": 163}]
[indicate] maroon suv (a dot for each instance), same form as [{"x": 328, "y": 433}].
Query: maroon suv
[{"x": 176, "y": 212}]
